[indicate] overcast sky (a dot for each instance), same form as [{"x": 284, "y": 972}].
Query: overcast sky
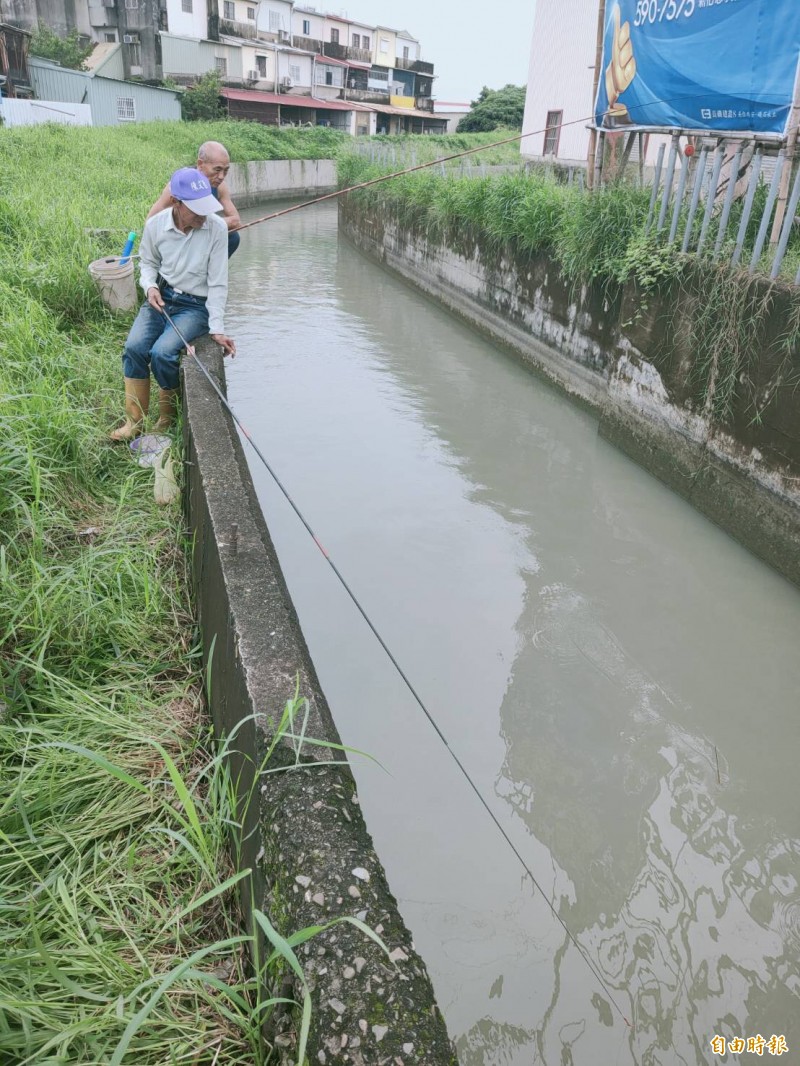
[{"x": 469, "y": 44}]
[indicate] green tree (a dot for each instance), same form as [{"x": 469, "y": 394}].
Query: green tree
[
  {"x": 68, "y": 51},
  {"x": 201, "y": 101},
  {"x": 495, "y": 108}
]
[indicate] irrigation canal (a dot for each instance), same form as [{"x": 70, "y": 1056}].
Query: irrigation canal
[{"x": 619, "y": 677}]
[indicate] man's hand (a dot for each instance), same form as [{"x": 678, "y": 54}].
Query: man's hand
[
  {"x": 155, "y": 299},
  {"x": 622, "y": 68},
  {"x": 228, "y": 346}
]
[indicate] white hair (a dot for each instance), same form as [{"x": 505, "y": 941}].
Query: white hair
[{"x": 208, "y": 147}]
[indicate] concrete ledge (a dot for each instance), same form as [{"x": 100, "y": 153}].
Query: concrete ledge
[
  {"x": 273, "y": 179},
  {"x": 304, "y": 834}
]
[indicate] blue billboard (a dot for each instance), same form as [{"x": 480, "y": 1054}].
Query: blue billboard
[{"x": 699, "y": 65}]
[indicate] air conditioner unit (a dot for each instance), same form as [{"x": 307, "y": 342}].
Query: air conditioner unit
[
  {"x": 284, "y": 36},
  {"x": 286, "y": 83},
  {"x": 252, "y": 75}
]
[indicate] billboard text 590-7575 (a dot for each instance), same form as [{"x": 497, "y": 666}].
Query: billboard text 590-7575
[{"x": 699, "y": 64}]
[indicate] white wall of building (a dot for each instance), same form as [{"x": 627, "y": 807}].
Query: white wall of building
[
  {"x": 402, "y": 43},
  {"x": 296, "y": 67},
  {"x": 193, "y": 23},
  {"x": 275, "y": 17},
  {"x": 561, "y": 75},
  {"x": 308, "y": 24}
]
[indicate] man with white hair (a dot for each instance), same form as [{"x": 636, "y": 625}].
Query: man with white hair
[{"x": 213, "y": 161}]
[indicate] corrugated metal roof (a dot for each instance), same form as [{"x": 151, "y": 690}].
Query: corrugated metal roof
[{"x": 256, "y": 96}]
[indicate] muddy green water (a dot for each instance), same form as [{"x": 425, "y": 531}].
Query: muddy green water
[{"x": 619, "y": 677}]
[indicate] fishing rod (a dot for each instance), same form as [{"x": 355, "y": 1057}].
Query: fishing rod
[{"x": 190, "y": 350}]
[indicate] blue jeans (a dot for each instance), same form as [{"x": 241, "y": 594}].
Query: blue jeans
[
  {"x": 233, "y": 242},
  {"x": 153, "y": 342}
]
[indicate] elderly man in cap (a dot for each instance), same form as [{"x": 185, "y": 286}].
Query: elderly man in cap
[
  {"x": 213, "y": 161},
  {"x": 184, "y": 271}
]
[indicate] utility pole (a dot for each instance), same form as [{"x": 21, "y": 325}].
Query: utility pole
[
  {"x": 791, "y": 152},
  {"x": 598, "y": 59}
]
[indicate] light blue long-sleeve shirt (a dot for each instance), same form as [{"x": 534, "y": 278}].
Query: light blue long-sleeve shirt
[{"x": 195, "y": 262}]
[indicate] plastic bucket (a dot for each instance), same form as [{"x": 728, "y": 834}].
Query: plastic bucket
[{"x": 115, "y": 283}]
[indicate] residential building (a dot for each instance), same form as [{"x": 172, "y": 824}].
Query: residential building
[{"x": 267, "y": 46}]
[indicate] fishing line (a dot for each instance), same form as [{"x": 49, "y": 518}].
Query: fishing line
[{"x": 191, "y": 351}]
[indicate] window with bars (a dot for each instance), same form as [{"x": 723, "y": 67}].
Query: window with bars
[
  {"x": 126, "y": 109},
  {"x": 306, "y": 27},
  {"x": 553, "y": 132},
  {"x": 261, "y": 66},
  {"x": 365, "y": 41},
  {"x": 334, "y": 36},
  {"x": 294, "y": 73},
  {"x": 275, "y": 21},
  {"x": 229, "y": 10},
  {"x": 131, "y": 5},
  {"x": 221, "y": 63},
  {"x": 110, "y": 38},
  {"x": 356, "y": 40},
  {"x": 251, "y": 14}
]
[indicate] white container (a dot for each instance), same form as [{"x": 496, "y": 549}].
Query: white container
[{"x": 116, "y": 283}]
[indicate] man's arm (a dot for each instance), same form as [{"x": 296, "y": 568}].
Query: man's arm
[
  {"x": 218, "y": 288},
  {"x": 149, "y": 266},
  {"x": 164, "y": 200},
  {"x": 230, "y": 216}
]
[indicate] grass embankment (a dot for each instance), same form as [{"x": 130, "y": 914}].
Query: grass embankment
[
  {"x": 113, "y": 814},
  {"x": 592, "y": 236}
]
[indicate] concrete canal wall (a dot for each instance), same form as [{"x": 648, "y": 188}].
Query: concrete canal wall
[
  {"x": 272, "y": 179},
  {"x": 718, "y": 421},
  {"x": 304, "y": 835}
]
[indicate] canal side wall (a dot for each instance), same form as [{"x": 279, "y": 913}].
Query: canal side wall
[
  {"x": 304, "y": 837},
  {"x": 631, "y": 358},
  {"x": 273, "y": 179}
]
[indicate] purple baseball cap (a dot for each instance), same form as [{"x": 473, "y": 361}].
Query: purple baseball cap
[{"x": 194, "y": 189}]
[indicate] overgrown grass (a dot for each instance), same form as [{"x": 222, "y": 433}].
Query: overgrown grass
[
  {"x": 121, "y": 939},
  {"x": 592, "y": 237}
]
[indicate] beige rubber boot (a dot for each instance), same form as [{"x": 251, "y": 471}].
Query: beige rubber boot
[
  {"x": 167, "y": 406},
  {"x": 137, "y": 403}
]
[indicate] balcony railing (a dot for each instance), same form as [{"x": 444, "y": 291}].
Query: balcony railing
[
  {"x": 424, "y": 103},
  {"x": 308, "y": 44},
  {"x": 237, "y": 29},
  {"x": 419, "y": 66},
  {"x": 342, "y": 51},
  {"x": 366, "y": 96}
]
